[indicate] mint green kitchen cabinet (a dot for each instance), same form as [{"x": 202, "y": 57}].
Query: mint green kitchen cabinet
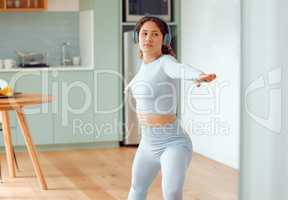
[
  {"x": 108, "y": 83},
  {"x": 86, "y": 107},
  {"x": 108, "y": 108},
  {"x": 73, "y": 111},
  {"x": 107, "y": 31},
  {"x": 107, "y": 57},
  {"x": 39, "y": 117}
]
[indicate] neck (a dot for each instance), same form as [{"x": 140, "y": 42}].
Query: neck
[{"x": 147, "y": 58}]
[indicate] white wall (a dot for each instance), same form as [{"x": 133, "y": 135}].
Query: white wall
[
  {"x": 211, "y": 42},
  {"x": 63, "y": 5},
  {"x": 264, "y": 138}
]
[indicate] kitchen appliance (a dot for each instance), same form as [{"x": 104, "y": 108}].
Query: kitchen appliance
[
  {"x": 136, "y": 9},
  {"x": 132, "y": 62},
  {"x": 32, "y": 59}
]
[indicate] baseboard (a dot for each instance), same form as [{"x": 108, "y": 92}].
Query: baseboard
[{"x": 63, "y": 147}]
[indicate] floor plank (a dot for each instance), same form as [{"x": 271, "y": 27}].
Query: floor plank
[{"x": 105, "y": 174}]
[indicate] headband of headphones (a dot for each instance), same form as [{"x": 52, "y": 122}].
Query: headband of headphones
[{"x": 167, "y": 37}]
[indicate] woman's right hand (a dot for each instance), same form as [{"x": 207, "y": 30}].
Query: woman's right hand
[{"x": 205, "y": 78}]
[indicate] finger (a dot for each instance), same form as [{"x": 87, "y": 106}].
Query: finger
[
  {"x": 198, "y": 84},
  {"x": 209, "y": 78},
  {"x": 212, "y": 76}
]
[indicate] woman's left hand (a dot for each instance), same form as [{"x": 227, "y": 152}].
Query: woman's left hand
[{"x": 205, "y": 78}]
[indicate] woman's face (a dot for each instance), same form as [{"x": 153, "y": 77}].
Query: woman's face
[{"x": 150, "y": 38}]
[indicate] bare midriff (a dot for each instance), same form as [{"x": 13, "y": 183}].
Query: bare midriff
[{"x": 156, "y": 119}]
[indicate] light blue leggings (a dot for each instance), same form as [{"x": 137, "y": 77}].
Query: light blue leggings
[{"x": 165, "y": 148}]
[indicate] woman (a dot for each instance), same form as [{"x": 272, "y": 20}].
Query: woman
[{"x": 164, "y": 144}]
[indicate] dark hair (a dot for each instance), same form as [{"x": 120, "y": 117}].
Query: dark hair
[{"x": 164, "y": 29}]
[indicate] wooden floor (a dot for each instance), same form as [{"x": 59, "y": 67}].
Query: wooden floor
[{"x": 104, "y": 174}]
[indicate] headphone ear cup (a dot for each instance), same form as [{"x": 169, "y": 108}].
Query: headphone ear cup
[
  {"x": 167, "y": 39},
  {"x": 135, "y": 37}
]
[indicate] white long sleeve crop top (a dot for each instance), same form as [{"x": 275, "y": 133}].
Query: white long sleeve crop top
[{"x": 154, "y": 86}]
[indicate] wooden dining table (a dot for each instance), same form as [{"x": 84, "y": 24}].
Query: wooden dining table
[{"x": 17, "y": 103}]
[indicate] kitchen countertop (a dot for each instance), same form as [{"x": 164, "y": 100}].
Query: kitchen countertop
[{"x": 50, "y": 68}]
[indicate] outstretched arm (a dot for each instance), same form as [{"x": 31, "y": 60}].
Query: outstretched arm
[{"x": 177, "y": 70}]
